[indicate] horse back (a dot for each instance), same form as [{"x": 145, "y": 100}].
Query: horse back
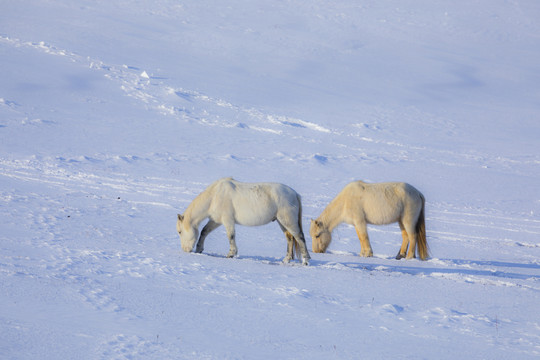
[
  {"x": 382, "y": 203},
  {"x": 251, "y": 204}
]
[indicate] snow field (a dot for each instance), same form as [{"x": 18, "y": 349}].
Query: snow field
[{"x": 114, "y": 115}]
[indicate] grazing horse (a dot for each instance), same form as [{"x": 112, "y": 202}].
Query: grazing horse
[
  {"x": 360, "y": 203},
  {"x": 230, "y": 202}
]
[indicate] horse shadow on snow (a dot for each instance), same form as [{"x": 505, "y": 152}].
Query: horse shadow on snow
[
  {"x": 486, "y": 268},
  {"x": 497, "y": 269}
]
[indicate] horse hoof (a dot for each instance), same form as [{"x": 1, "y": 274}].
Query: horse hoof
[{"x": 399, "y": 256}]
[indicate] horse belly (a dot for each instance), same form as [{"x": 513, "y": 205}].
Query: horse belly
[
  {"x": 382, "y": 212},
  {"x": 254, "y": 209},
  {"x": 254, "y": 216}
]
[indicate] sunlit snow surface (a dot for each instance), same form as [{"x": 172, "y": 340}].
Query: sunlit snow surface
[{"x": 115, "y": 114}]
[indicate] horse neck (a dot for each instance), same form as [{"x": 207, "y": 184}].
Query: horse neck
[
  {"x": 332, "y": 215},
  {"x": 197, "y": 211}
]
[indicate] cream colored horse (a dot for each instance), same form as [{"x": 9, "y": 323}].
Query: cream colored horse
[
  {"x": 360, "y": 204},
  {"x": 230, "y": 202}
]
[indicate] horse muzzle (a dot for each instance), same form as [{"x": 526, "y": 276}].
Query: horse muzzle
[{"x": 187, "y": 248}]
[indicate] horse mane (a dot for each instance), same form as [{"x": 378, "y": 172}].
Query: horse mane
[{"x": 331, "y": 215}]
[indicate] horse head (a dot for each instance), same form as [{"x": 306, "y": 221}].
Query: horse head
[
  {"x": 188, "y": 234},
  {"x": 320, "y": 236}
]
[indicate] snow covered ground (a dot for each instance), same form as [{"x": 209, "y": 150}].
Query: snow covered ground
[{"x": 115, "y": 114}]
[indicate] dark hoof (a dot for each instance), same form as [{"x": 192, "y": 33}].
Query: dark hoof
[{"x": 399, "y": 256}]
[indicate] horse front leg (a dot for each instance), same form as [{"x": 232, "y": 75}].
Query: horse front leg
[
  {"x": 207, "y": 229},
  {"x": 232, "y": 242},
  {"x": 365, "y": 245}
]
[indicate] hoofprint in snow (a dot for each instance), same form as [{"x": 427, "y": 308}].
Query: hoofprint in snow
[{"x": 114, "y": 116}]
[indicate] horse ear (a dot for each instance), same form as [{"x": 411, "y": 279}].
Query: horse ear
[{"x": 180, "y": 217}]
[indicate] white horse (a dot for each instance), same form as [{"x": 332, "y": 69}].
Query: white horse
[
  {"x": 360, "y": 204},
  {"x": 230, "y": 202}
]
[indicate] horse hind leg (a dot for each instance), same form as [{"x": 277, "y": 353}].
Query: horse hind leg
[
  {"x": 290, "y": 247},
  {"x": 411, "y": 239},
  {"x": 295, "y": 239},
  {"x": 405, "y": 244},
  {"x": 301, "y": 242},
  {"x": 411, "y": 254}
]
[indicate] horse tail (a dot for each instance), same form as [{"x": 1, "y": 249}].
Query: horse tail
[
  {"x": 300, "y": 213},
  {"x": 296, "y": 241},
  {"x": 423, "y": 249}
]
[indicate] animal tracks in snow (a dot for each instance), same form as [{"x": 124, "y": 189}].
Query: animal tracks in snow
[
  {"x": 124, "y": 346},
  {"x": 183, "y": 104},
  {"x": 159, "y": 94}
]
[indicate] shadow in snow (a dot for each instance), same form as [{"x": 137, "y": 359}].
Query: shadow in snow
[
  {"x": 290, "y": 123},
  {"x": 493, "y": 263},
  {"x": 416, "y": 270},
  {"x": 410, "y": 270},
  {"x": 265, "y": 259}
]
